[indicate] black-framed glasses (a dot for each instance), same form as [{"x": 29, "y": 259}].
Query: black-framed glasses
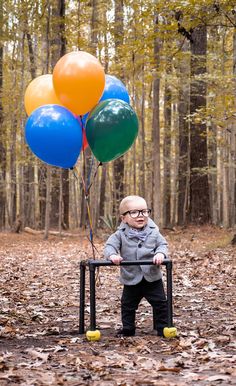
[{"x": 136, "y": 213}]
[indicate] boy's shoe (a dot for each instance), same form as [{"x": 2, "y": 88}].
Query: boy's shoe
[
  {"x": 125, "y": 332},
  {"x": 160, "y": 332}
]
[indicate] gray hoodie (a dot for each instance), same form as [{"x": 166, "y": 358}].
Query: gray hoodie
[{"x": 135, "y": 249}]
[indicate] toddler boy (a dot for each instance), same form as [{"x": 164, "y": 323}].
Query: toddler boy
[{"x": 138, "y": 238}]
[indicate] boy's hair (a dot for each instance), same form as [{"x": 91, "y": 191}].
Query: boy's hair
[{"x": 126, "y": 200}]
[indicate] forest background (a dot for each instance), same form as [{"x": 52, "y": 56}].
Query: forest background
[{"x": 178, "y": 62}]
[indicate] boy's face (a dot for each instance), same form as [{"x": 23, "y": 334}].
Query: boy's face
[{"x": 137, "y": 222}]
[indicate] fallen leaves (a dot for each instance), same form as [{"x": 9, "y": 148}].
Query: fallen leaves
[{"x": 39, "y": 299}]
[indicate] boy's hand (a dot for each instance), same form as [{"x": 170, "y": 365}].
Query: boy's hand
[
  {"x": 116, "y": 259},
  {"x": 158, "y": 258}
]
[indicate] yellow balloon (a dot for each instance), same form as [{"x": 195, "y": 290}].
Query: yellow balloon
[
  {"x": 79, "y": 81},
  {"x": 40, "y": 92}
]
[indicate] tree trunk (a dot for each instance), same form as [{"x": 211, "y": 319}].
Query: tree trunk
[
  {"x": 118, "y": 169},
  {"x": 36, "y": 197},
  {"x": 213, "y": 152},
  {"x": 94, "y": 27},
  {"x": 29, "y": 169},
  {"x": 156, "y": 188},
  {"x": 142, "y": 137},
  {"x": 132, "y": 162},
  {"x": 199, "y": 188},
  {"x": 183, "y": 164},
  {"x": 31, "y": 56},
  {"x": 103, "y": 181},
  {"x": 48, "y": 203},
  {"x": 212, "y": 160},
  {"x": 30, "y": 205},
  {"x": 175, "y": 162},
  {"x": 232, "y": 175},
  {"x": 167, "y": 158},
  {"x": 2, "y": 146},
  {"x": 102, "y": 192},
  {"x": 74, "y": 211},
  {"x": 226, "y": 182},
  {"x": 58, "y": 49},
  {"x": 60, "y": 214},
  {"x": 233, "y": 143}
]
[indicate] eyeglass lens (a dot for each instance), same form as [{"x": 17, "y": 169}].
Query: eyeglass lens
[{"x": 136, "y": 213}]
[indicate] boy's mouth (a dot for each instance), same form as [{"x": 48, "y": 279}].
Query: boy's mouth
[{"x": 140, "y": 221}]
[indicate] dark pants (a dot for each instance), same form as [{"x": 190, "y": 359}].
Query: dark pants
[{"x": 154, "y": 293}]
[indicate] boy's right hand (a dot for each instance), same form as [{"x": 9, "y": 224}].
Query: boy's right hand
[{"x": 116, "y": 259}]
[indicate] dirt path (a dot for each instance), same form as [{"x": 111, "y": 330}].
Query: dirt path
[{"x": 39, "y": 340}]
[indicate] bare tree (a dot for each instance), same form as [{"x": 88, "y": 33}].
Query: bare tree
[
  {"x": 118, "y": 163},
  {"x": 2, "y": 147},
  {"x": 167, "y": 158},
  {"x": 199, "y": 188},
  {"x": 156, "y": 188},
  {"x": 58, "y": 49},
  {"x": 183, "y": 112}
]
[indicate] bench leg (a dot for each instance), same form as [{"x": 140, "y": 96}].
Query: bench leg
[
  {"x": 82, "y": 297},
  {"x": 92, "y": 270}
]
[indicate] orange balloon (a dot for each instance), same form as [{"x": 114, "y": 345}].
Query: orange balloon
[
  {"x": 40, "y": 92},
  {"x": 79, "y": 81}
]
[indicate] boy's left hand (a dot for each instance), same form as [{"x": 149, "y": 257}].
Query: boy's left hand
[{"x": 158, "y": 258}]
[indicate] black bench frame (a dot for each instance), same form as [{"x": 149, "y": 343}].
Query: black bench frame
[{"x": 92, "y": 265}]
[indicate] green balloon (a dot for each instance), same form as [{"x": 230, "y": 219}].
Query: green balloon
[{"x": 111, "y": 129}]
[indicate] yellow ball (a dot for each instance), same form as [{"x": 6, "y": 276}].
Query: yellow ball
[
  {"x": 170, "y": 332},
  {"x": 93, "y": 335}
]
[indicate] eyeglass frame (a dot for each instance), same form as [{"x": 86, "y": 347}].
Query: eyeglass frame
[{"x": 139, "y": 211}]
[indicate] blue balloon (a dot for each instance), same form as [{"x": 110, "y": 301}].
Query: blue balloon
[
  {"x": 54, "y": 135},
  {"x": 114, "y": 89}
]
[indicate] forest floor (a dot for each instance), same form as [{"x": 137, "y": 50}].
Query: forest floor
[{"x": 39, "y": 315}]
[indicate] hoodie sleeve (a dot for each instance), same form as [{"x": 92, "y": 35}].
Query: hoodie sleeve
[{"x": 113, "y": 245}]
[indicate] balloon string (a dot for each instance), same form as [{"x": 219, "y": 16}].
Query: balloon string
[
  {"x": 89, "y": 184},
  {"x": 88, "y": 212},
  {"x": 94, "y": 176},
  {"x": 91, "y": 228},
  {"x": 86, "y": 195},
  {"x": 79, "y": 118},
  {"x": 87, "y": 187},
  {"x": 89, "y": 174}
]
